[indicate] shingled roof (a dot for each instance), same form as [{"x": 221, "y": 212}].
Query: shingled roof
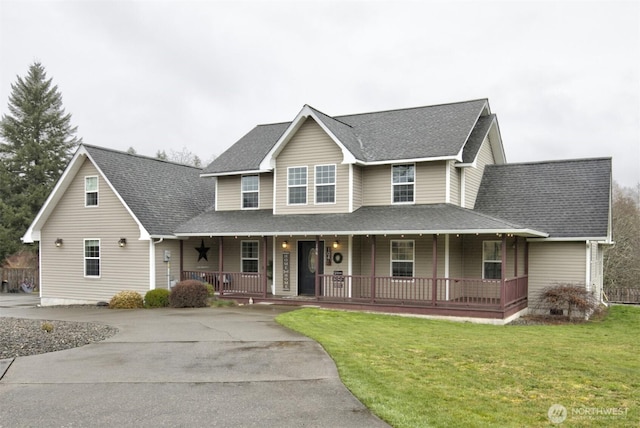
[
  {"x": 439, "y": 131},
  {"x": 566, "y": 199},
  {"x": 160, "y": 194}
]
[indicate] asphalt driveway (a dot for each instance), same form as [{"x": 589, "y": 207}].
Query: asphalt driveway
[{"x": 227, "y": 367}]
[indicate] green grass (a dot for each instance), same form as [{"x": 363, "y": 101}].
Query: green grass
[{"x": 414, "y": 372}]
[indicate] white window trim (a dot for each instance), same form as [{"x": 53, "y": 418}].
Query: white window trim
[
  {"x": 413, "y": 259},
  {"x": 97, "y": 191},
  {"x": 484, "y": 260},
  {"x": 84, "y": 257},
  {"x": 306, "y": 186},
  {"x": 334, "y": 184},
  {"x": 242, "y": 192},
  {"x": 415, "y": 179},
  {"x": 242, "y": 258}
]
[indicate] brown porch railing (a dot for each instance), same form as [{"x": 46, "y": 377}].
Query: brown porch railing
[{"x": 229, "y": 282}]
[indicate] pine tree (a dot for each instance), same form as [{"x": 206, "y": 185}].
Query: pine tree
[{"x": 37, "y": 141}]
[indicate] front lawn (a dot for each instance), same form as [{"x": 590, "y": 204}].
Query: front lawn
[{"x": 415, "y": 372}]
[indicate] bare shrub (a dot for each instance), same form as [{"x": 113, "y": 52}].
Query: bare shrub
[{"x": 572, "y": 297}]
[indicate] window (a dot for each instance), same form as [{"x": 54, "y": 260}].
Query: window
[
  {"x": 403, "y": 179},
  {"x": 92, "y": 257},
  {"x": 91, "y": 191},
  {"x": 402, "y": 258},
  {"x": 297, "y": 184},
  {"x": 325, "y": 184},
  {"x": 250, "y": 191},
  {"x": 491, "y": 259},
  {"x": 250, "y": 256}
]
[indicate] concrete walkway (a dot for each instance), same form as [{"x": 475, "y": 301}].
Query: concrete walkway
[{"x": 231, "y": 367}]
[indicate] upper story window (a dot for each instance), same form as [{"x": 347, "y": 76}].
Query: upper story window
[
  {"x": 325, "y": 184},
  {"x": 403, "y": 183},
  {"x": 491, "y": 259},
  {"x": 250, "y": 256},
  {"x": 250, "y": 191},
  {"x": 297, "y": 185},
  {"x": 402, "y": 258},
  {"x": 92, "y": 257},
  {"x": 91, "y": 191}
]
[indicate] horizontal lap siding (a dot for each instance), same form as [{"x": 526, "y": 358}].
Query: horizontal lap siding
[
  {"x": 552, "y": 263},
  {"x": 229, "y": 197},
  {"x": 311, "y": 146},
  {"x": 473, "y": 176},
  {"x": 430, "y": 184},
  {"x": 454, "y": 185},
  {"x": 63, "y": 268},
  {"x": 166, "y": 272},
  {"x": 357, "y": 187}
]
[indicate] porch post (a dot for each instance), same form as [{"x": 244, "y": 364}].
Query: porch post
[
  {"x": 373, "y": 268},
  {"x": 434, "y": 260},
  {"x": 515, "y": 260},
  {"x": 317, "y": 273},
  {"x": 503, "y": 271},
  {"x": 526, "y": 257},
  {"x": 264, "y": 267},
  {"x": 220, "y": 266}
]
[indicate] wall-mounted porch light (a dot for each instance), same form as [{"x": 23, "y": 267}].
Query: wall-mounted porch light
[
  {"x": 335, "y": 244},
  {"x": 285, "y": 244},
  {"x": 122, "y": 242},
  {"x": 58, "y": 242}
]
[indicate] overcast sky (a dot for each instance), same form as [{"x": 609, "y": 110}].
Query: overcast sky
[{"x": 563, "y": 77}]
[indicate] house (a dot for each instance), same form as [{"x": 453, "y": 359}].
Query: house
[{"x": 412, "y": 210}]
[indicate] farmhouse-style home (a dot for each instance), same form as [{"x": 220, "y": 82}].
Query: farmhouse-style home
[{"x": 413, "y": 210}]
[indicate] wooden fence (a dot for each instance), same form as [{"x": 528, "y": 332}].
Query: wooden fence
[
  {"x": 19, "y": 279},
  {"x": 622, "y": 295}
]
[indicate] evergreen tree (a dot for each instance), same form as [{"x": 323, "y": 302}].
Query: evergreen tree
[{"x": 37, "y": 141}]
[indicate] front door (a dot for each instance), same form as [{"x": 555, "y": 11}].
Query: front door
[{"x": 307, "y": 266}]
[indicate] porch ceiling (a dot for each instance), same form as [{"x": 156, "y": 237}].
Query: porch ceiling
[{"x": 399, "y": 219}]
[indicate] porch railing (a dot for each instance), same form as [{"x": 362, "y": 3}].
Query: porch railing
[{"x": 229, "y": 282}]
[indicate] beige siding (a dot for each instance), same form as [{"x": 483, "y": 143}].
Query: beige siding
[
  {"x": 454, "y": 184},
  {"x": 473, "y": 176},
  {"x": 472, "y": 255},
  {"x": 229, "y": 197},
  {"x": 63, "y": 268},
  {"x": 311, "y": 146},
  {"x": 357, "y": 187},
  {"x": 167, "y": 272},
  {"x": 376, "y": 185},
  {"x": 553, "y": 263}
]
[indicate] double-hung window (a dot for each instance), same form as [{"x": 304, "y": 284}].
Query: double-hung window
[
  {"x": 250, "y": 191},
  {"x": 403, "y": 183},
  {"x": 91, "y": 191},
  {"x": 92, "y": 257},
  {"x": 491, "y": 259},
  {"x": 402, "y": 258},
  {"x": 297, "y": 185},
  {"x": 249, "y": 256},
  {"x": 325, "y": 184}
]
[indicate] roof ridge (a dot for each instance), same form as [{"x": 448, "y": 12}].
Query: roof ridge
[
  {"x": 330, "y": 117},
  {"x": 601, "y": 158},
  {"x": 121, "y": 152},
  {"x": 413, "y": 108}
]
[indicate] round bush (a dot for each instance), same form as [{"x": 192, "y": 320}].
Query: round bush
[
  {"x": 189, "y": 294},
  {"x": 126, "y": 300},
  {"x": 158, "y": 298}
]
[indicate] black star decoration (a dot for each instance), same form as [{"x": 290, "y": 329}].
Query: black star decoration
[{"x": 202, "y": 251}]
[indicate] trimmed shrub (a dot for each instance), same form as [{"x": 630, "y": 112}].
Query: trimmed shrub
[
  {"x": 158, "y": 298},
  {"x": 189, "y": 294},
  {"x": 210, "y": 289},
  {"x": 126, "y": 300}
]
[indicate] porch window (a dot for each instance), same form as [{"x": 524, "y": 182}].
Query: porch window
[
  {"x": 250, "y": 191},
  {"x": 403, "y": 183},
  {"x": 297, "y": 185},
  {"x": 325, "y": 184},
  {"x": 250, "y": 256},
  {"x": 402, "y": 258},
  {"x": 91, "y": 191},
  {"x": 491, "y": 259},
  {"x": 92, "y": 257}
]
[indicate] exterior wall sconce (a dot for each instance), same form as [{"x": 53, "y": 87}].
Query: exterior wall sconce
[
  {"x": 285, "y": 244},
  {"x": 122, "y": 242},
  {"x": 335, "y": 244},
  {"x": 59, "y": 242}
]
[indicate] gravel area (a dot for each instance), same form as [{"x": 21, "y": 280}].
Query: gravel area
[{"x": 20, "y": 337}]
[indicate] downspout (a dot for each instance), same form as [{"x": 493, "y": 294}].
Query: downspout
[{"x": 152, "y": 263}]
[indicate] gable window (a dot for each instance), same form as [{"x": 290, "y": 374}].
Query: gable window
[
  {"x": 249, "y": 256},
  {"x": 92, "y": 257},
  {"x": 297, "y": 185},
  {"x": 403, "y": 183},
  {"x": 91, "y": 191},
  {"x": 491, "y": 259},
  {"x": 250, "y": 191},
  {"x": 402, "y": 258},
  {"x": 325, "y": 184}
]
